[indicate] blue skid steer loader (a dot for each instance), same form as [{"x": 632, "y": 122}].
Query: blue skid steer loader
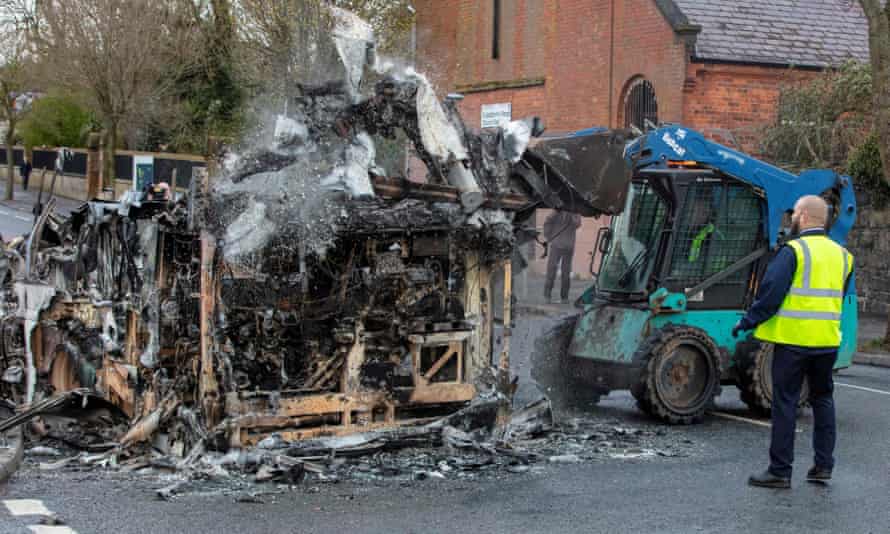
[{"x": 679, "y": 265}]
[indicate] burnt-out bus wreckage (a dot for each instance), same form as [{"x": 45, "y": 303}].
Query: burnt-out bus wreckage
[{"x": 295, "y": 289}]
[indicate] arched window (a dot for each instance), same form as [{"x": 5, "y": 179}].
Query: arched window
[{"x": 640, "y": 104}]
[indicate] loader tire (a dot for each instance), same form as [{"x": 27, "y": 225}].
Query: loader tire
[
  {"x": 552, "y": 369},
  {"x": 680, "y": 376},
  {"x": 756, "y": 387}
]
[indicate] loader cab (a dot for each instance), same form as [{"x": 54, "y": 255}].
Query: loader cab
[{"x": 680, "y": 227}]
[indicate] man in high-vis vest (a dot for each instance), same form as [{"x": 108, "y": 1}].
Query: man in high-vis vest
[{"x": 798, "y": 308}]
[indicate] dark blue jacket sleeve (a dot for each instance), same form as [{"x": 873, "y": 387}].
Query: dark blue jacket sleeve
[{"x": 773, "y": 288}]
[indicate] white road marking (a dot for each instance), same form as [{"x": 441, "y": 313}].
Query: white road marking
[
  {"x": 19, "y": 507},
  {"x": 742, "y": 419},
  {"x": 51, "y": 529},
  {"x": 862, "y": 388},
  {"x": 757, "y": 422},
  {"x": 19, "y": 217}
]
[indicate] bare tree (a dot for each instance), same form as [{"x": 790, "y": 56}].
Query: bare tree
[
  {"x": 16, "y": 22},
  {"x": 15, "y": 103},
  {"x": 879, "y": 44},
  {"x": 279, "y": 41},
  {"x": 282, "y": 40},
  {"x": 122, "y": 55},
  {"x": 392, "y": 21}
]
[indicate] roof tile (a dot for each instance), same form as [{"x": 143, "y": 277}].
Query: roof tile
[{"x": 814, "y": 33}]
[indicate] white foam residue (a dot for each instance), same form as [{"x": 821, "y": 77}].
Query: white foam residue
[
  {"x": 33, "y": 299},
  {"x": 487, "y": 217},
  {"x": 230, "y": 161},
  {"x": 109, "y": 329},
  {"x": 360, "y": 157},
  {"x": 352, "y": 37},
  {"x": 351, "y": 176},
  {"x": 439, "y": 135},
  {"x": 287, "y": 130},
  {"x": 517, "y": 135},
  {"x": 249, "y": 232},
  {"x": 268, "y": 182}
]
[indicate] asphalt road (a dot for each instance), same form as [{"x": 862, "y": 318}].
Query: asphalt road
[
  {"x": 705, "y": 492},
  {"x": 16, "y": 216},
  {"x": 14, "y": 222}
]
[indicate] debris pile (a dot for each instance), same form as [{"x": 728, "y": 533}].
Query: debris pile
[
  {"x": 465, "y": 445},
  {"x": 295, "y": 292}
]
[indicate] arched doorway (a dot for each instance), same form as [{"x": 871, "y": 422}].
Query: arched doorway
[{"x": 640, "y": 104}]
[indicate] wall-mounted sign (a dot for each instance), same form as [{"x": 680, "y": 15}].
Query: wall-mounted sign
[
  {"x": 143, "y": 171},
  {"x": 494, "y": 115}
]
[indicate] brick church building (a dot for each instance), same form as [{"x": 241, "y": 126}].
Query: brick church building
[{"x": 714, "y": 65}]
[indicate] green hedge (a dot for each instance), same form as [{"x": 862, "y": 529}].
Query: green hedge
[
  {"x": 56, "y": 121},
  {"x": 866, "y": 169}
]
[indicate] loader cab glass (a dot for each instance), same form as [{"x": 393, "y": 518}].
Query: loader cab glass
[
  {"x": 717, "y": 222},
  {"x": 631, "y": 258}
]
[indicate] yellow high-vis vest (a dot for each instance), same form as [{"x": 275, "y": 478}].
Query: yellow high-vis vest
[{"x": 810, "y": 315}]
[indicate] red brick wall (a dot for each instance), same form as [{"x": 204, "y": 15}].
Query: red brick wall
[
  {"x": 740, "y": 99},
  {"x": 567, "y": 43},
  {"x": 437, "y": 50},
  {"x": 646, "y": 45}
]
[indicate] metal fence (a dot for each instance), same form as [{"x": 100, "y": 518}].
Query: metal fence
[
  {"x": 17, "y": 155},
  {"x": 76, "y": 165}
]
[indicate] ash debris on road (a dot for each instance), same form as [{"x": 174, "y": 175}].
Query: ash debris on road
[{"x": 465, "y": 445}]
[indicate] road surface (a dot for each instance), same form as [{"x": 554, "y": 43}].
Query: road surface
[
  {"x": 704, "y": 492},
  {"x": 16, "y": 216}
]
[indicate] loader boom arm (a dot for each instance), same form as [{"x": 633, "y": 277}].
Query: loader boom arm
[{"x": 675, "y": 145}]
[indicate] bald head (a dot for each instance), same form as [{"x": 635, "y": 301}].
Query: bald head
[{"x": 810, "y": 211}]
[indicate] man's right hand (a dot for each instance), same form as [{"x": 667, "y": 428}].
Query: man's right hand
[{"x": 737, "y": 329}]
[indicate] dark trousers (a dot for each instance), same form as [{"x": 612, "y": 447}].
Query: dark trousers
[
  {"x": 789, "y": 369},
  {"x": 559, "y": 258},
  {"x": 25, "y": 178}
]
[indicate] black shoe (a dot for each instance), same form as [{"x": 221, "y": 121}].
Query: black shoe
[
  {"x": 818, "y": 474},
  {"x": 769, "y": 480}
]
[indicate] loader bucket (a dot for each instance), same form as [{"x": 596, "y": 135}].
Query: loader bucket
[{"x": 587, "y": 172}]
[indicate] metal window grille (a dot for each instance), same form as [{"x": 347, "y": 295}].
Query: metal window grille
[
  {"x": 720, "y": 224},
  {"x": 640, "y": 105}
]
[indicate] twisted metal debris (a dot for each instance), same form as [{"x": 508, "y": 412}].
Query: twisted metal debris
[{"x": 295, "y": 291}]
